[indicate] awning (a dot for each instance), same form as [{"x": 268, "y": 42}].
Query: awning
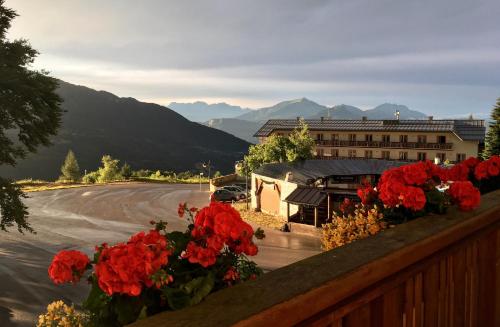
[{"x": 306, "y": 196}]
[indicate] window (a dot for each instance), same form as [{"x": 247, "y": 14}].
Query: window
[
  {"x": 368, "y": 137},
  {"x": 386, "y": 155},
  {"x": 460, "y": 157},
  {"x": 368, "y": 154},
  {"x": 421, "y": 156},
  {"x": 335, "y": 137},
  {"x": 441, "y": 157},
  {"x": 403, "y": 138},
  {"x": 335, "y": 153},
  {"x": 441, "y": 139},
  {"x": 320, "y": 152},
  {"x": 351, "y": 153},
  {"x": 352, "y": 137},
  {"x": 403, "y": 155},
  {"x": 386, "y": 138},
  {"x": 422, "y": 139},
  {"x": 319, "y": 137}
]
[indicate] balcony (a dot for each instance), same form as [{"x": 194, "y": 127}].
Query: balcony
[
  {"x": 392, "y": 145},
  {"x": 440, "y": 270},
  {"x": 323, "y": 157}
]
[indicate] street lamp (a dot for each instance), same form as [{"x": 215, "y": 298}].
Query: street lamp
[
  {"x": 242, "y": 165},
  {"x": 207, "y": 165},
  {"x": 201, "y": 175}
]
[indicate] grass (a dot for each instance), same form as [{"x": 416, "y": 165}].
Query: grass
[
  {"x": 259, "y": 218},
  {"x": 37, "y": 185}
]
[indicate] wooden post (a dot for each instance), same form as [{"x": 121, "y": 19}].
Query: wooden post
[
  {"x": 328, "y": 206},
  {"x": 287, "y": 212},
  {"x": 315, "y": 216}
]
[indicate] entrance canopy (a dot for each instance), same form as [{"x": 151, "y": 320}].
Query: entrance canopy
[{"x": 306, "y": 196}]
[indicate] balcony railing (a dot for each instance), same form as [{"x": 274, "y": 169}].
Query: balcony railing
[
  {"x": 379, "y": 144},
  {"x": 440, "y": 270},
  {"x": 320, "y": 157}
]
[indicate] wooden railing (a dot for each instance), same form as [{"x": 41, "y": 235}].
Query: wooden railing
[
  {"x": 439, "y": 270},
  {"x": 379, "y": 144}
]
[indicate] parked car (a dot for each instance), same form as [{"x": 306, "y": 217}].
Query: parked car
[
  {"x": 242, "y": 185},
  {"x": 223, "y": 195},
  {"x": 238, "y": 191}
]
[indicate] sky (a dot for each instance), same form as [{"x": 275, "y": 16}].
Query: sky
[{"x": 438, "y": 57}]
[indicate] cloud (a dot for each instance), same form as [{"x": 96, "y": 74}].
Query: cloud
[{"x": 363, "y": 52}]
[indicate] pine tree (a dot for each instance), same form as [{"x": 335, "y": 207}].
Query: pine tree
[
  {"x": 70, "y": 169},
  {"x": 492, "y": 142},
  {"x": 109, "y": 171},
  {"x": 30, "y": 107}
]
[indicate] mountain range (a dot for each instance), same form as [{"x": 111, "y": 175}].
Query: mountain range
[
  {"x": 144, "y": 135},
  {"x": 249, "y": 121}
]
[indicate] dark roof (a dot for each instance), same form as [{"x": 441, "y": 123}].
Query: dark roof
[
  {"x": 307, "y": 171},
  {"x": 308, "y": 196},
  {"x": 465, "y": 129}
]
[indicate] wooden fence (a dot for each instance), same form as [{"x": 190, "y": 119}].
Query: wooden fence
[{"x": 440, "y": 270}]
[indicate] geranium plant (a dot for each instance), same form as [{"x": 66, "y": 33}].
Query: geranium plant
[{"x": 160, "y": 270}]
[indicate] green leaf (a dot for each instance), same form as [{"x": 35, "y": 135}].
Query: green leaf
[
  {"x": 97, "y": 299},
  {"x": 128, "y": 308},
  {"x": 202, "y": 289},
  {"x": 176, "y": 298}
]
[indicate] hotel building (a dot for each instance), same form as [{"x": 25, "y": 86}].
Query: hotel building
[{"x": 404, "y": 140}]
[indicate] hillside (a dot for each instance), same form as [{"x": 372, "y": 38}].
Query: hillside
[
  {"x": 342, "y": 111},
  {"x": 145, "y": 135},
  {"x": 284, "y": 110},
  {"x": 387, "y": 110},
  {"x": 201, "y": 111},
  {"x": 242, "y": 129}
]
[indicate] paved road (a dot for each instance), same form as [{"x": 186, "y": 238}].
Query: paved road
[{"x": 80, "y": 218}]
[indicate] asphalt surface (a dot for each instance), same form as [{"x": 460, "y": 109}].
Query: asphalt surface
[{"x": 81, "y": 218}]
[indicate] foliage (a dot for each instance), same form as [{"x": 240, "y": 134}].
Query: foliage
[
  {"x": 29, "y": 114},
  {"x": 492, "y": 141},
  {"x": 70, "y": 169},
  {"x": 343, "y": 229},
  {"x": 126, "y": 171},
  {"x": 298, "y": 146},
  {"x": 91, "y": 177},
  {"x": 109, "y": 171},
  {"x": 160, "y": 270},
  {"x": 301, "y": 144},
  {"x": 60, "y": 314}
]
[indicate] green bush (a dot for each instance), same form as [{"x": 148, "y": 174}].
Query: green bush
[{"x": 91, "y": 178}]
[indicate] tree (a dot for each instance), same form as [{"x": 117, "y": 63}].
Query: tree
[
  {"x": 70, "y": 169},
  {"x": 126, "y": 171},
  {"x": 298, "y": 146},
  {"x": 301, "y": 144},
  {"x": 30, "y": 114},
  {"x": 109, "y": 171},
  {"x": 492, "y": 141}
]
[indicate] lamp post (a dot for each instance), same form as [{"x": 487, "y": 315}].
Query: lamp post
[{"x": 201, "y": 175}]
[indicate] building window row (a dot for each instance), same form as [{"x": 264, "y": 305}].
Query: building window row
[
  {"x": 402, "y": 155},
  {"x": 441, "y": 139}
]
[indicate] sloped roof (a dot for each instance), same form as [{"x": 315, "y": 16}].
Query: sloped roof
[
  {"x": 306, "y": 195},
  {"x": 307, "y": 171},
  {"x": 466, "y": 129}
]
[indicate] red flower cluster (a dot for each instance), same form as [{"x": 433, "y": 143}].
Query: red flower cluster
[
  {"x": 68, "y": 266},
  {"x": 231, "y": 276},
  {"x": 402, "y": 185},
  {"x": 367, "y": 194},
  {"x": 465, "y": 195},
  {"x": 126, "y": 267},
  {"x": 216, "y": 226},
  {"x": 487, "y": 169}
]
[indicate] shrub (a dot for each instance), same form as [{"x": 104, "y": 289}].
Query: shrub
[
  {"x": 109, "y": 171},
  {"x": 90, "y": 178},
  {"x": 344, "y": 229}
]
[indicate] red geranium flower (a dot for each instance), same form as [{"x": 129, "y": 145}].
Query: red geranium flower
[
  {"x": 68, "y": 266},
  {"x": 465, "y": 195},
  {"x": 181, "y": 209}
]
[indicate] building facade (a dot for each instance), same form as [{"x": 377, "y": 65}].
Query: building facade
[{"x": 403, "y": 140}]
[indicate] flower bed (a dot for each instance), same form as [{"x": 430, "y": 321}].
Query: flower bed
[
  {"x": 411, "y": 191},
  {"x": 159, "y": 270}
]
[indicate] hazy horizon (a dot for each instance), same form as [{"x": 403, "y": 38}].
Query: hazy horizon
[{"x": 440, "y": 58}]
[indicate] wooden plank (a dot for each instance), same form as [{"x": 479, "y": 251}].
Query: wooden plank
[
  {"x": 409, "y": 305},
  {"x": 431, "y": 292},
  {"x": 497, "y": 279},
  {"x": 458, "y": 298},
  {"x": 393, "y": 307},
  {"x": 360, "y": 317},
  {"x": 418, "y": 300}
]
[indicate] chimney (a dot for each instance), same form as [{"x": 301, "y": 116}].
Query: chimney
[
  {"x": 298, "y": 118},
  {"x": 364, "y": 118},
  {"x": 322, "y": 118},
  {"x": 397, "y": 113},
  {"x": 431, "y": 117}
]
